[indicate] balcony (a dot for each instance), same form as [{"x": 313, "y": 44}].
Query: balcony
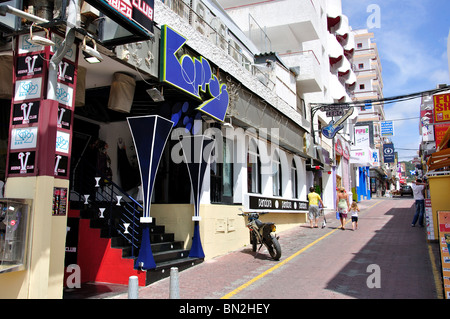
[
  {"x": 307, "y": 66},
  {"x": 286, "y": 23}
]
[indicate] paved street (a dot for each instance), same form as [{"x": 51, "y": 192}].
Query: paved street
[{"x": 385, "y": 253}]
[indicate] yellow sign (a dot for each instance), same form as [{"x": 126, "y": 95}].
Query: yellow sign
[
  {"x": 444, "y": 244},
  {"x": 441, "y": 108}
]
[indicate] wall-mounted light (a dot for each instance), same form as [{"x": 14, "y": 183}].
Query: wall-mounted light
[
  {"x": 91, "y": 55},
  {"x": 37, "y": 39},
  {"x": 156, "y": 95}
]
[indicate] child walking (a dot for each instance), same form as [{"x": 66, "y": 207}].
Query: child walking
[{"x": 354, "y": 210}]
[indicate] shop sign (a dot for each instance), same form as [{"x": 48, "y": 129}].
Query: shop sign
[
  {"x": 22, "y": 162},
  {"x": 444, "y": 242},
  {"x": 61, "y": 165},
  {"x": 29, "y": 65},
  {"x": 191, "y": 75},
  {"x": 439, "y": 132},
  {"x": 133, "y": 15},
  {"x": 25, "y": 113},
  {"x": 270, "y": 204},
  {"x": 346, "y": 153},
  {"x": 59, "y": 201},
  {"x": 32, "y": 114},
  {"x": 360, "y": 157},
  {"x": 338, "y": 147},
  {"x": 28, "y": 89},
  {"x": 388, "y": 153},
  {"x": 362, "y": 136},
  {"x": 387, "y": 128},
  {"x": 441, "y": 107},
  {"x": 429, "y": 219},
  {"x": 375, "y": 158},
  {"x": 24, "y": 137}
]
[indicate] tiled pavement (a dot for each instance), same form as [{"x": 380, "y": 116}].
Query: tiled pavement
[{"x": 327, "y": 263}]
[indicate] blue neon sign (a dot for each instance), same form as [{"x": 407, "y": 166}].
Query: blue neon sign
[{"x": 192, "y": 75}]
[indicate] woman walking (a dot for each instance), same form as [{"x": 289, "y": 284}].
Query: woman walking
[{"x": 343, "y": 206}]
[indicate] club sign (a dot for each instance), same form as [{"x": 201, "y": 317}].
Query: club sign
[
  {"x": 274, "y": 204},
  {"x": 193, "y": 76}
]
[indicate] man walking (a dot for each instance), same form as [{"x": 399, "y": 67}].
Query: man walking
[
  {"x": 314, "y": 210},
  {"x": 418, "y": 186}
]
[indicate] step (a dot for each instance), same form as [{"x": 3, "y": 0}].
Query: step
[
  {"x": 161, "y": 237},
  {"x": 165, "y": 246},
  {"x": 162, "y": 269},
  {"x": 170, "y": 255}
]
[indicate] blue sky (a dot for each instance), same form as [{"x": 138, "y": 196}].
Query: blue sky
[{"x": 412, "y": 44}]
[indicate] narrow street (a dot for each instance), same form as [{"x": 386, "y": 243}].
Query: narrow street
[{"x": 385, "y": 258}]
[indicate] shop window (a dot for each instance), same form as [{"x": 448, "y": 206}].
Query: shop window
[
  {"x": 253, "y": 169},
  {"x": 14, "y": 217},
  {"x": 276, "y": 175},
  {"x": 294, "y": 180},
  {"x": 222, "y": 174}
]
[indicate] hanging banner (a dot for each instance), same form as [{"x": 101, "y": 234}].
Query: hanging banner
[
  {"x": 388, "y": 153},
  {"x": 444, "y": 242},
  {"x": 387, "y": 128}
]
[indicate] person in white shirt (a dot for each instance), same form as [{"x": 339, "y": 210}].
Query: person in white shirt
[{"x": 418, "y": 186}]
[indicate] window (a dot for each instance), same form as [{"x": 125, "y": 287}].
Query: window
[
  {"x": 276, "y": 174},
  {"x": 362, "y": 86},
  {"x": 13, "y": 234},
  {"x": 253, "y": 169},
  {"x": 359, "y": 45},
  {"x": 294, "y": 180},
  {"x": 222, "y": 175},
  {"x": 361, "y": 66}
]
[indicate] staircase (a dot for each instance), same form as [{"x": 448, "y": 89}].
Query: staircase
[{"x": 116, "y": 215}]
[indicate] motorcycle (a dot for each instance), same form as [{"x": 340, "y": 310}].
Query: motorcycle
[{"x": 263, "y": 234}]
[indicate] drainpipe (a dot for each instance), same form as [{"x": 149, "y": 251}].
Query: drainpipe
[{"x": 73, "y": 9}]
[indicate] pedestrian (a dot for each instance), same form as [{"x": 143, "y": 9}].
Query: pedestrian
[
  {"x": 342, "y": 205},
  {"x": 354, "y": 210},
  {"x": 314, "y": 211},
  {"x": 418, "y": 189}
]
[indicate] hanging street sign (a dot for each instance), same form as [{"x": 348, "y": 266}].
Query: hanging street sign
[{"x": 387, "y": 128}]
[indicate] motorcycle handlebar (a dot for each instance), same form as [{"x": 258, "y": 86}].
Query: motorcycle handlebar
[{"x": 259, "y": 213}]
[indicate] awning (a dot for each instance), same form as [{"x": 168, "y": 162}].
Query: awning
[{"x": 361, "y": 156}]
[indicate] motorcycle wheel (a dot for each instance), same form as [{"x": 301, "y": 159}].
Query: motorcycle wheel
[
  {"x": 274, "y": 248},
  {"x": 253, "y": 240}
]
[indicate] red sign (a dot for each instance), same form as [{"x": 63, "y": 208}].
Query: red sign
[
  {"x": 441, "y": 107},
  {"x": 338, "y": 147},
  {"x": 439, "y": 132},
  {"x": 346, "y": 153}
]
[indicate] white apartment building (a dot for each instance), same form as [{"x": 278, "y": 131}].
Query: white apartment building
[
  {"x": 369, "y": 86},
  {"x": 314, "y": 39}
]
